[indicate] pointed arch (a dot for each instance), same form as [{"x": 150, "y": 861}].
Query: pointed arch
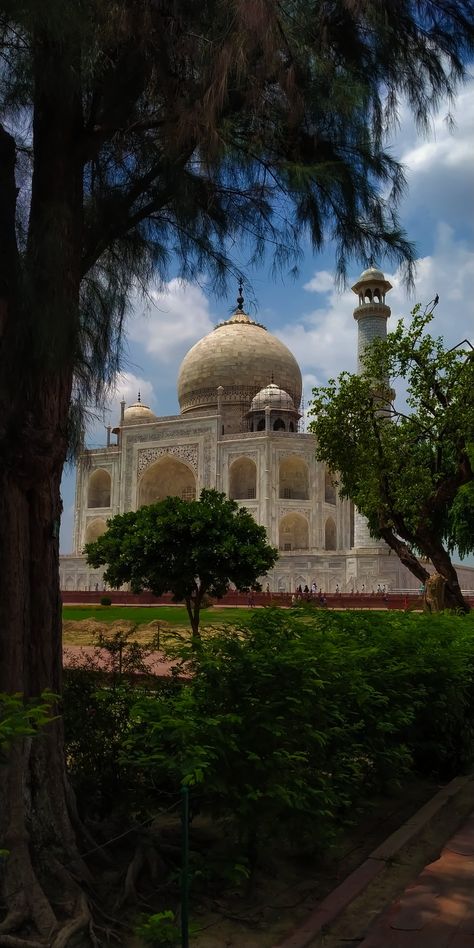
[
  {"x": 95, "y": 528},
  {"x": 294, "y": 478},
  {"x": 330, "y": 536},
  {"x": 293, "y": 533},
  {"x": 167, "y": 477},
  {"x": 99, "y": 488},
  {"x": 243, "y": 479},
  {"x": 329, "y": 487}
]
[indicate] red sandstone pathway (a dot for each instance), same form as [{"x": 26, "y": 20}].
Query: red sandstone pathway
[
  {"x": 437, "y": 909},
  {"x": 77, "y": 655}
]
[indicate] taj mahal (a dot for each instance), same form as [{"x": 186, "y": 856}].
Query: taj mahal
[{"x": 239, "y": 431}]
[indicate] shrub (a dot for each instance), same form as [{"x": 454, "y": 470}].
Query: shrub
[
  {"x": 159, "y": 930},
  {"x": 99, "y": 694},
  {"x": 291, "y": 723},
  {"x": 105, "y": 601}
]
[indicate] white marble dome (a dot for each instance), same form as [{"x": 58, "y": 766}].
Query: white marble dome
[
  {"x": 240, "y": 355},
  {"x": 273, "y": 396},
  {"x": 372, "y": 273},
  {"x": 138, "y": 414}
]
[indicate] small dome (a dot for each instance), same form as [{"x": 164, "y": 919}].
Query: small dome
[
  {"x": 138, "y": 414},
  {"x": 372, "y": 273},
  {"x": 368, "y": 278},
  {"x": 273, "y": 396}
]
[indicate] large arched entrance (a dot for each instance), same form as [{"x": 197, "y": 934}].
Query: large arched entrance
[
  {"x": 293, "y": 532},
  {"x": 294, "y": 479},
  {"x": 243, "y": 479},
  {"x": 167, "y": 477}
]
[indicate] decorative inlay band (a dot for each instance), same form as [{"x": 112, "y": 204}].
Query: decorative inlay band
[{"x": 184, "y": 452}]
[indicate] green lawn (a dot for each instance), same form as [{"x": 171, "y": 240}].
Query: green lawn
[{"x": 172, "y": 615}]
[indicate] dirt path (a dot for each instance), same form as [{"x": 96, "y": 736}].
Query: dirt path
[{"x": 77, "y": 655}]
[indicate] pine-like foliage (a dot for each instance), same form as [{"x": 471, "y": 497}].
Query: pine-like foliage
[{"x": 200, "y": 125}]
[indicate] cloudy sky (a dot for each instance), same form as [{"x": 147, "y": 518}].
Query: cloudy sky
[{"x": 310, "y": 315}]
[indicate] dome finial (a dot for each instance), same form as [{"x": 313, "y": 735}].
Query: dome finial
[
  {"x": 240, "y": 298},
  {"x": 139, "y": 397}
]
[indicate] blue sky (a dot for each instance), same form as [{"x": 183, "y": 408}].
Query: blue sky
[{"x": 309, "y": 314}]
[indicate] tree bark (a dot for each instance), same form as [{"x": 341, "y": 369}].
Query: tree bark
[
  {"x": 40, "y": 884},
  {"x": 453, "y": 597},
  {"x": 193, "y": 609},
  {"x": 404, "y": 554}
]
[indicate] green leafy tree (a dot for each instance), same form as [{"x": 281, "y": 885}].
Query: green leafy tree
[
  {"x": 189, "y": 548},
  {"x": 134, "y": 136},
  {"x": 460, "y": 532},
  {"x": 408, "y": 470}
]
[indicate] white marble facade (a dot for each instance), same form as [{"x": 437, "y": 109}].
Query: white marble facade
[{"x": 238, "y": 431}]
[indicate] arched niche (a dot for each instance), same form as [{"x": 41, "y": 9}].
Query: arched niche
[
  {"x": 99, "y": 487},
  {"x": 368, "y": 296},
  {"x": 294, "y": 479},
  {"x": 329, "y": 488},
  {"x": 95, "y": 529},
  {"x": 330, "y": 538},
  {"x": 279, "y": 425},
  {"x": 293, "y": 532},
  {"x": 243, "y": 479},
  {"x": 261, "y": 425},
  {"x": 167, "y": 477}
]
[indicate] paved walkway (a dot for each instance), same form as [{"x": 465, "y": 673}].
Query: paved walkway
[{"x": 437, "y": 909}]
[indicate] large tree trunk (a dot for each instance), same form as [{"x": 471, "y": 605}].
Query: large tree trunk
[
  {"x": 41, "y": 880},
  {"x": 453, "y": 597},
  {"x": 35, "y": 803},
  {"x": 404, "y": 554}
]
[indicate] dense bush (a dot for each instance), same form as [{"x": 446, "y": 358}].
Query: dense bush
[
  {"x": 293, "y": 722},
  {"x": 285, "y": 726},
  {"x": 99, "y": 694}
]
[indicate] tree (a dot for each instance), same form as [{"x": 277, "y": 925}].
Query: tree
[
  {"x": 189, "y": 548},
  {"x": 407, "y": 469},
  {"x": 134, "y": 135}
]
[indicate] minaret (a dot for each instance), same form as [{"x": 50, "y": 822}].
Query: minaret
[{"x": 371, "y": 314}]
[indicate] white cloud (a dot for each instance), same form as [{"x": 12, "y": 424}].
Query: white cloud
[
  {"x": 321, "y": 282},
  {"x": 446, "y": 144},
  {"x": 127, "y": 386},
  {"x": 172, "y": 320},
  {"x": 439, "y": 167}
]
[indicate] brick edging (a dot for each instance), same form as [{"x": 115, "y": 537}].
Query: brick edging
[{"x": 338, "y": 900}]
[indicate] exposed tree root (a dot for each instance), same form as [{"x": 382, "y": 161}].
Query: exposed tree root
[
  {"x": 11, "y": 941},
  {"x": 145, "y": 856},
  {"x": 82, "y": 919},
  {"x": 80, "y": 827}
]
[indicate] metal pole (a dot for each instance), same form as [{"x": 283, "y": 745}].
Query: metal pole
[{"x": 184, "y": 867}]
